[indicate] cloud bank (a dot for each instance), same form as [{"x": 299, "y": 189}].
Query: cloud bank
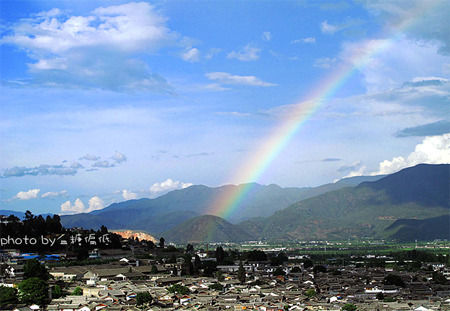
[{"x": 99, "y": 50}]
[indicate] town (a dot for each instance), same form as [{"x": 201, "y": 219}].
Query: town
[{"x": 153, "y": 275}]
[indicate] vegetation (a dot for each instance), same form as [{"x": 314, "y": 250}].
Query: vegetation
[
  {"x": 279, "y": 271},
  {"x": 78, "y": 291},
  {"x": 310, "y": 292},
  {"x": 178, "y": 289},
  {"x": 241, "y": 273},
  {"x": 33, "y": 268},
  {"x": 33, "y": 291},
  {"x": 8, "y": 295},
  {"x": 143, "y": 298},
  {"x": 56, "y": 292},
  {"x": 216, "y": 286},
  {"x": 393, "y": 279},
  {"x": 349, "y": 307}
]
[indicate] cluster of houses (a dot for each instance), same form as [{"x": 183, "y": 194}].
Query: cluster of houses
[{"x": 115, "y": 286}]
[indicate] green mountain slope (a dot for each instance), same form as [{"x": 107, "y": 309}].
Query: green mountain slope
[
  {"x": 207, "y": 228},
  {"x": 421, "y": 229},
  {"x": 364, "y": 211},
  {"x": 162, "y": 213}
]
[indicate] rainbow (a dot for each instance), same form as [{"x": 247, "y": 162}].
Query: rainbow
[{"x": 254, "y": 166}]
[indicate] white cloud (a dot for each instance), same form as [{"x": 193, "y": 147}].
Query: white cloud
[
  {"x": 432, "y": 150},
  {"x": 325, "y": 62},
  {"x": 128, "y": 195},
  {"x": 327, "y": 28},
  {"x": 69, "y": 208},
  {"x": 267, "y": 36},
  {"x": 191, "y": 55},
  {"x": 304, "y": 40},
  {"x": 90, "y": 157},
  {"x": 428, "y": 20},
  {"x": 54, "y": 194},
  {"x": 357, "y": 172},
  {"x": 103, "y": 164},
  {"x": 128, "y": 27},
  {"x": 229, "y": 79},
  {"x": 388, "y": 63},
  {"x": 248, "y": 53},
  {"x": 168, "y": 185},
  {"x": 119, "y": 157},
  {"x": 27, "y": 195},
  {"x": 99, "y": 50},
  {"x": 212, "y": 52},
  {"x": 95, "y": 203}
]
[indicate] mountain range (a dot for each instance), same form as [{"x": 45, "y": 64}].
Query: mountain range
[
  {"x": 165, "y": 212},
  {"x": 399, "y": 206}
]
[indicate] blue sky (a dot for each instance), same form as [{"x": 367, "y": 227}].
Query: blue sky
[{"x": 103, "y": 101}]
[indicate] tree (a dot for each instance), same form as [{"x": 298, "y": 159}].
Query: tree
[
  {"x": 8, "y": 295},
  {"x": 219, "y": 276},
  {"x": 33, "y": 268},
  {"x": 349, "y": 307},
  {"x": 241, "y": 273},
  {"x": 179, "y": 289},
  {"x": 296, "y": 270},
  {"x": 380, "y": 296},
  {"x": 56, "y": 292},
  {"x": 143, "y": 298},
  {"x": 278, "y": 271},
  {"x": 189, "y": 248},
  {"x": 256, "y": 255},
  {"x": 161, "y": 242},
  {"x": 319, "y": 268},
  {"x": 307, "y": 263},
  {"x": 439, "y": 278},
  {"x": 78, "y": 291},
  {"x": 310, "y": 292},
  {"x": 220, "y": 254},
  {"x": 33, "y": 290},
  {"x": 197, "y": 264},
  {"x": 82, "y": 253},
  {"x": 393, "y": 279},
  {"x": 216, "y": 286},
  {"x": 154, "y": 269}
]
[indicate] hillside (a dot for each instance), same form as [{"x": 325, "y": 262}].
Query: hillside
[
  {"x": 421, "y": 229},
  {"x": 162, "y": 213},
  {"x": 364, "y": 211},
  {"x": 207, "y": 228}
]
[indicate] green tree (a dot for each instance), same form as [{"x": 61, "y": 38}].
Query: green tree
[
  {"x": 216, "y": 286},
  {"x": 241, "y": 273},
  {"x": 307, "y": 263},
  {"x": 380, "y": 296},
  {"x": 78, "y": 291},
  {"x": 143, "y": 298},
  {"x": 219, "y": 276},
  {"x": 278, "y": 271},
  {"x": 56, "y": 291},
  {"x": 310, "y": 292},
  {"x": 189, "y": 248},
  {"x": 154, "y": 269},
  {"x": 8, "y": 295},
  {"x": 349, "y": 307},
  {"x": 394, "y": 279},
  {"x": 439, "y": 278},
  {"x": 178, "y": 289},
  {"x": 220, "y": 254},
  {"x": 33, "y": 290},
  {"x": 161, "y": 242},
  {"x": 33, "y": 269}
]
